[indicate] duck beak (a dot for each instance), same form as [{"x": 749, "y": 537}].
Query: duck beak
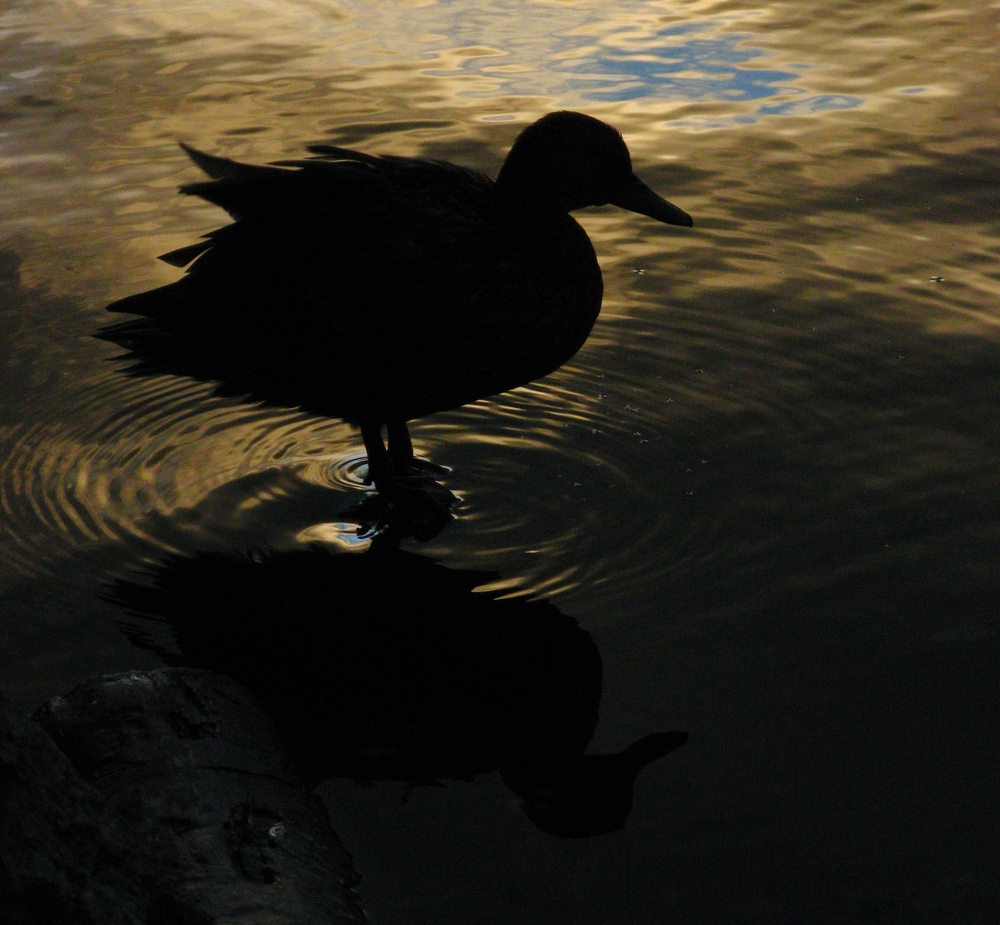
[{"x": 637, "y": 197}]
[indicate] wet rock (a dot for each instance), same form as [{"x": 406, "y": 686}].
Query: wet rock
[
  {"x": 164, "y": 796},
  {"x": 64, "y": 856}
]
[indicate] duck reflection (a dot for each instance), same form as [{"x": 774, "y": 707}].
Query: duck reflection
[
  {"x": 383, "y": 289},
  {"x": 388, "y": 666}
]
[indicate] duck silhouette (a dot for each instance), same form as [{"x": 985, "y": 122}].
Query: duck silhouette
[
  {"x": 379, "y": 289},
  {"x": 388, "y": 666}
]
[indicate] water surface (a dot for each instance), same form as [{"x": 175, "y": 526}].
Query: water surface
[{"x": 766, "y": 485}]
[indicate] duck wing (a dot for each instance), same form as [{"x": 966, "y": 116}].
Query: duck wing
[{"x": 359, "y": 286}]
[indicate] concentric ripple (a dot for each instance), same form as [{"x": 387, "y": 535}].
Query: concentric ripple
[
  {"x": 706, "y": 438},
  {"x": 682, "y": 440},
  {"x": 168, "y": 468}
]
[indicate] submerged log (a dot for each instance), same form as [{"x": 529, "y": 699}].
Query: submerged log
[{"x": 218, "y": 826}]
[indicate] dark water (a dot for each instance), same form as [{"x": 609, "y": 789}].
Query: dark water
[{"x": 767, "y": 486}]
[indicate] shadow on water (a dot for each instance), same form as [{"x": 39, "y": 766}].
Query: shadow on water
[{"x": 388, "y": 666}]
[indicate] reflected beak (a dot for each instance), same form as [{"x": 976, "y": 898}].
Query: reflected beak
[{"x": 637, "y": 197}]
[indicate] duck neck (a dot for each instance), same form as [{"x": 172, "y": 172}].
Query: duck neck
[
  {"x": 523, "y": 192},
  {"x": 525, "y": 214}
]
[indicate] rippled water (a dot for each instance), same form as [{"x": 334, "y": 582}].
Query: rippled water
[{"x": 767, "y": 484}]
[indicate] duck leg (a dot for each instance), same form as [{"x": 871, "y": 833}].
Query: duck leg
[
  {"x": 401, "y": 454},
  {"x": 379, "y": 464},
  {"x": 400, "y": 446},
  {"x": 406, "y": 503},
  {"x": 389, "y": 467}
]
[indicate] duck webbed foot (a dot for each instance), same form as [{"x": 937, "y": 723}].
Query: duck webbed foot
[
  {"x": 404, "y": 464},
  {"x": 410, "y": 501}
]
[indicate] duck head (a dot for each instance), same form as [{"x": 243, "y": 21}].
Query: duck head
[{"x": 568, "y": 160}]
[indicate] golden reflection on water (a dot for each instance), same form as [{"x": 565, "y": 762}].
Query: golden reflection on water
[
  {"x": 785, "y": 415},
  {"x": 840, "y": 165}
]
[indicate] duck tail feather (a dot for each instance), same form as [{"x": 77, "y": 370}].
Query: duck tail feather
[
  {"x": 157, "y": 303},
  {"x": 184, "y": 255},
  {"x": 218, "y": 168},
  {"x": 332, "y": 152}
]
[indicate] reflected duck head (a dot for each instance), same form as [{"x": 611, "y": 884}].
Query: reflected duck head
[
  {"x": 587, "y": 795},
  {"x": 567, "y": 161}
]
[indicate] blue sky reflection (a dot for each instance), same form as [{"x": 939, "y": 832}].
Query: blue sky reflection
[{"x": 691, "y": 62}]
